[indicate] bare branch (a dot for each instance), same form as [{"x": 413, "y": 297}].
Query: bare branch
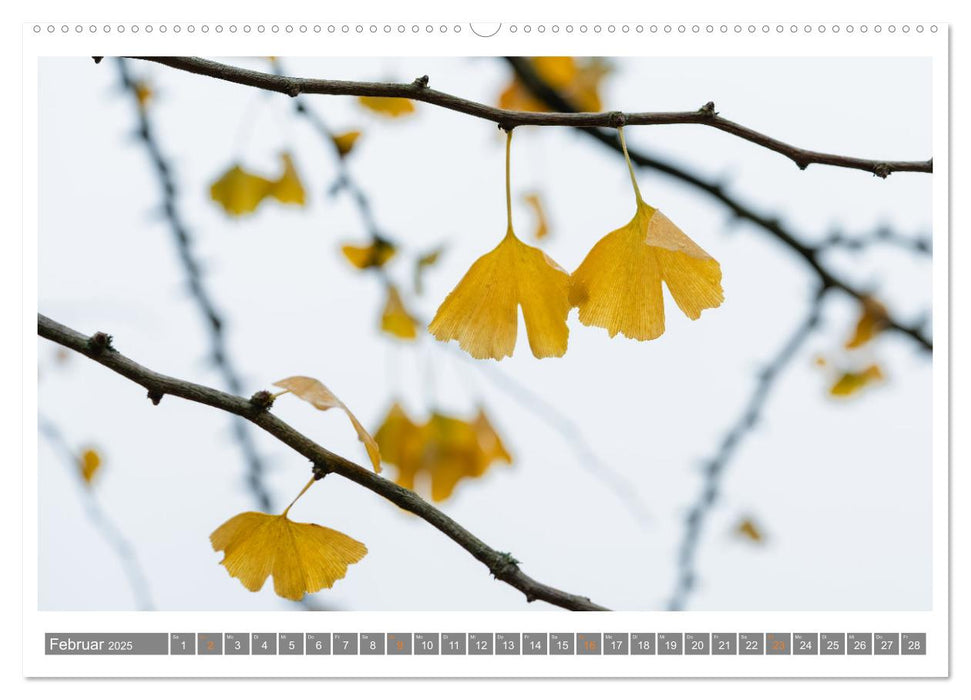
[
  {"x": 509, "y": 119},
  {"x": 809, "y": 254},
  {"x": 715, "y": 467},
  {"x": 213, "y": 320},
  {"x": 111, "y": 533},
  {"x": 502, "y": 565}
]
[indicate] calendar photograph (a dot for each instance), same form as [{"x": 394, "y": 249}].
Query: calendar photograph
[{"x": 486, "y": 333}]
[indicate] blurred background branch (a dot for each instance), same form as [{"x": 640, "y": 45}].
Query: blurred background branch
[
  {"x": 212, "y": 318},
  {"x": 110, "y": 532}
]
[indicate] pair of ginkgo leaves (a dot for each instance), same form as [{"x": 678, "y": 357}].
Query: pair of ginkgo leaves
[{"x": 617, "y": 286}]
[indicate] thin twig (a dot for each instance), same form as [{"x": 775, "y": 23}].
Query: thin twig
[
  {"x": 111, "y": 533},
  {"x": 714, "y": 469},
  {"x": 212, "y": 318},
  {"x": 809, "y": 254},
  {"x": 509, "y": 119},
  {"x": 503, "y": 566}
]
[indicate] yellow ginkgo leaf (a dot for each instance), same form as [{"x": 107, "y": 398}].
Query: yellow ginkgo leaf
[
  {"x": 873, "y": 319},
  {"x": 376, "y": 254},
  {"x": 288, "y": 189},
  {"x": 89, "y": 463},
  {"x": 482, "y": 312},
  {"x": 748, "y": 529},
  {"x": 618, "y": 284},
  {"x": 240, "y": 192},
  {"x": 344, "y": 143},
  {"x": 389, "y": 106},
  {"x": 302, "y": 557},
  {"x": 320, "y": 397},
  {"x": 424, "y": 261},
  {"x": 850, "y": 383},
  {"x": 490, "y": 444},
  {"x": 395, "y": 319},
  {"x": 542, "y": 224}
]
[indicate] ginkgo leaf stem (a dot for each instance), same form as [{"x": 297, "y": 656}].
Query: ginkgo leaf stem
[
  {"x": 279, "y": 394},
  {"x": 310, "y": 483},
  {"x": 630, "y": 167},
  {"x": 508, "y": 184}
]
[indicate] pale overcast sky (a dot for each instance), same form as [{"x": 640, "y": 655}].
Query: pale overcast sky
[{"x": 842, "y": 489}]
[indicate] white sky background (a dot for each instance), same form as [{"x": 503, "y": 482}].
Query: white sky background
[{"x": 841, "y": 488}]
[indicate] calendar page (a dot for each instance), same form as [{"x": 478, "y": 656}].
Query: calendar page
[{"x": 445, "y": 348}]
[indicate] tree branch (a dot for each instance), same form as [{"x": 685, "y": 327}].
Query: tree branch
[
  {"x": 809, "y": 254},
  {"x": 503, "y": 566},
  {"x": 509, "y": 119},
  {"x": 213, "y": 320}
]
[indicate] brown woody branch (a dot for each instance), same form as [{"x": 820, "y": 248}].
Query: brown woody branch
[
  {"x": 509, "y": 119},
  {"x": 503, "y": 566}
]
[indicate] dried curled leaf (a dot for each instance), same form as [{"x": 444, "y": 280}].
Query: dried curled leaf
[
  {"x": 395, "y": 319},
  {"x": 89, "y": 463},
  {"x": 393, "y": 107},
  {"x": 320, "y": 397},
  {"x": 302, "y": 557},
  {"x": 535, "y": 202},
  {"x": 376, "y": 254},
  {"x": 482, "y": 311},
  {"x": 849, "y": 383},
  {"x": 618, "y": 284},
  {"x": 873, "y": 319},
  {"x": 344, "y": 143}
]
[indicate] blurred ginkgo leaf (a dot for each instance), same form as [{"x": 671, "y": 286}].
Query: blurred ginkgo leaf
[
  {"x": 535, "y": 202},
  {"x": 748, "y": 529},
  {"x": 445, "y": 449},
  {"x": 288, "y": 189},
  {"x": 89, "y": 464},
  {"x": 850, "y": 383},
  {"x": 873, "y": 319},
  {"x": 239, "y": 191},
  {"x": 375, "y": 254},
  {"x": 393, "y": 107},
  {"x": 344, "y": 143},
  {"x": 395, "y": 319},
  {"x": 576, "y": 79}
]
